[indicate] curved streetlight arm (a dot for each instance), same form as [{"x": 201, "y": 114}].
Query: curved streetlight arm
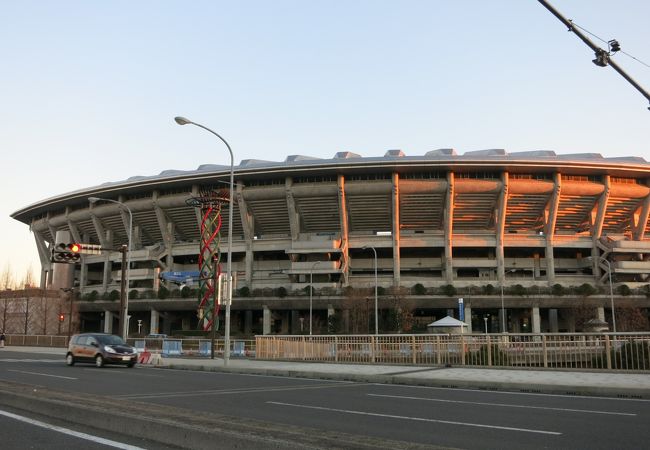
[{"x": 226, "y": 354}]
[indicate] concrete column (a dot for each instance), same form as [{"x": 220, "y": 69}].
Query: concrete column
[
  {"x": 449, "y": 224},
  {"x": 295, "y": 323},
  {"x": 641, "y": 219},
  {"x": 248, "y": 322},
  {"x": 108, "y": 322},
  {"x": 600, "y": 311},
  {"x": 185, "y": 323},
  {"x": 553, "y": 320},
  {"x": 266, "y": 320},
  {"x": 294, "y": 218},
  {"x": 396, "y": 231},
  {"x": 549, "y": 229},
  {"x": 597, "y": 226},
  {"x": 343, "y": 215},
  {"x": 249, "y": 232},
  {"x": 468, "y": 315},
  {"x": 345, "y": 314},
  {"x": 537, "y": 322},
  {"x": 108, "y": 267},
  {"x": 284, "y": 325},
  {"x": 154, "y": 322},
  {"x": 500, "y": 228}
]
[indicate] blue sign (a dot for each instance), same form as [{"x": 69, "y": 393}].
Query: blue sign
[{"x": 461, "y": 310}]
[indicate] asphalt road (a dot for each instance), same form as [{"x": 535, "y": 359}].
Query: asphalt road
[{"x": 456, "y": 418}]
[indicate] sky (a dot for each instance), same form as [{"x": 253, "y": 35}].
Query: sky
[{"x": 89, "y": 89}]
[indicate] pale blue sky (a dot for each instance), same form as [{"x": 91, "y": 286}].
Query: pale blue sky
[{"x": 89, "y": 89}]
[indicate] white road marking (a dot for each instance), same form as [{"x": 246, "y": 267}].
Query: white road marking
[
  {"x": 69, "y": 432},
  {"x": 536, "y": 394},
  {"x": 232, "y": 391},
  {"x": 418, "y": 419},
  {"x": 505, "y": 405},
  {"x": 42, "y": 374},
  {"x": 28, "y": 360}
]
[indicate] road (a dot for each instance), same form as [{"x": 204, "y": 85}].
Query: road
[{"x": 448, "y": 418}]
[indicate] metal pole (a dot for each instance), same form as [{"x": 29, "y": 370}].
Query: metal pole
[
  {"x": 123, "y": 293},
  {"x": 213, "y": 334},
  {"x": 226, "y": 353}
]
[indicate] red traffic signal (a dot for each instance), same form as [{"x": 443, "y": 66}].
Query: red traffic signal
[
  {"x": 61, "y": 317},
  {"x": 74, "y": 248}
]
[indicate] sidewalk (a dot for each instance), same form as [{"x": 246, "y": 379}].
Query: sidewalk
[{"x": 612, "y": 384}]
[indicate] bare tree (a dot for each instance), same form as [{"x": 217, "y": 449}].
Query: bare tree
[
  {"x": 28, "y": 279},
  {"x": 7, "y": 280}
]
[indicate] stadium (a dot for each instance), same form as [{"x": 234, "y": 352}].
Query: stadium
[{"x": 529, "y": 240}]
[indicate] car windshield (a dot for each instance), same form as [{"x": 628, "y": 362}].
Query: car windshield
[{"x": 110, "y": 340}]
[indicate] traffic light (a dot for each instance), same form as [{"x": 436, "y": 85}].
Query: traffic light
[
  {"x": 61, "y": 317},
  {"x": 66, "y": 253}
]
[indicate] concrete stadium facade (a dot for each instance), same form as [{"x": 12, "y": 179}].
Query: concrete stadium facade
[{"x": 528, "y": 219}]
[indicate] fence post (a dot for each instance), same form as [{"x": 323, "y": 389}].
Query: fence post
[
  {"x": 438, "y": 351},
  {"x": 414, "y": 348},
  {"x": 608, "y": 353},
  {"x": 372, "y": 348},
  {"x": 489, "y": 351},
  {"x": 336, "y": 349},
  {"x": 462, "y": 350},
  {"x": 544, "y": 351}
]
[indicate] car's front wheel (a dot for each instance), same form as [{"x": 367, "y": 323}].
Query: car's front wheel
[
  {"x": 131, "y": 364},
  {"x": 69, "y": 359},
  {"x": 99, "y": 361}
]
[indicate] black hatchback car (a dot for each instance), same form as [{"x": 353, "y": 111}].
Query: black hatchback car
[{"x": 100, "y": 348}]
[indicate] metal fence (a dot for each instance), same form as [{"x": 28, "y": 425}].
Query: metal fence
[
  {"x": 34, "y": 340},
  {"x": 621, "y": 351},
  {"x": 193, "y": 346}
]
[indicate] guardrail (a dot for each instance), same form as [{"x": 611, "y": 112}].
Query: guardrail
[
  {"x": 621, "y": 351},
  {"x": 193, "y": 346}
]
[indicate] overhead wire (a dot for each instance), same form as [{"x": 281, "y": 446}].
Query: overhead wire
[{"x": 606, "y": 42}]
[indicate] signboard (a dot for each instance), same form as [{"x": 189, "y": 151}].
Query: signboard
[{"x": 461, "y": 310}]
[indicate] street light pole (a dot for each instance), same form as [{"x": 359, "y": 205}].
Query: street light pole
[
  {"x": 226, "y": 354},
  {"x": 611, "y": 291},
  {"x": 311, "y": 288},
  {"x": 376, "y": 309},
  {"x": 124, "y": 331}
]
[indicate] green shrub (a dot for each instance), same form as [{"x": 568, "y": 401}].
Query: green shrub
[
  {"x": 114, "y": 295},
  {"x": 558, "y": 290},
  {"x": 133, "y": 294},
  {"x": 489, "y": 289},
  {"x": 518, "y": 289},
  {"x": 91, "y": 296},
  {"x": 448, "y": 290},
  {"x": 280, "y": 292},
  {"x": 381, "y": 290},
  {"x": 419, "y": 289},
  {"x": 186, "y": 292},
  {"x": 624, "y": 290},
  {"x": 244, "y": 291},
  {"x": 586, "y": 290},
  {"x": 163, "y": 293}
]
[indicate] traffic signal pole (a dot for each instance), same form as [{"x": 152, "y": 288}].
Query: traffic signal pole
[{"x": 602, "y": 57}]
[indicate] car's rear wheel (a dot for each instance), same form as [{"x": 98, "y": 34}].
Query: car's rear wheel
[
  {"x": 99, "y": 361},
  {"x": 69, "y": 359}
]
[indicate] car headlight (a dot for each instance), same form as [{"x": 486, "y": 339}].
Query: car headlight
[{"x": 109, "y": 349}]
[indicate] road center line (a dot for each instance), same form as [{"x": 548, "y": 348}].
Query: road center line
[
  {"x": 70, "y": 432},
  {"x": 418, "y": 419},
  {"x": 42, "y": 374},
  {"x": 504, "y": 405}
]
